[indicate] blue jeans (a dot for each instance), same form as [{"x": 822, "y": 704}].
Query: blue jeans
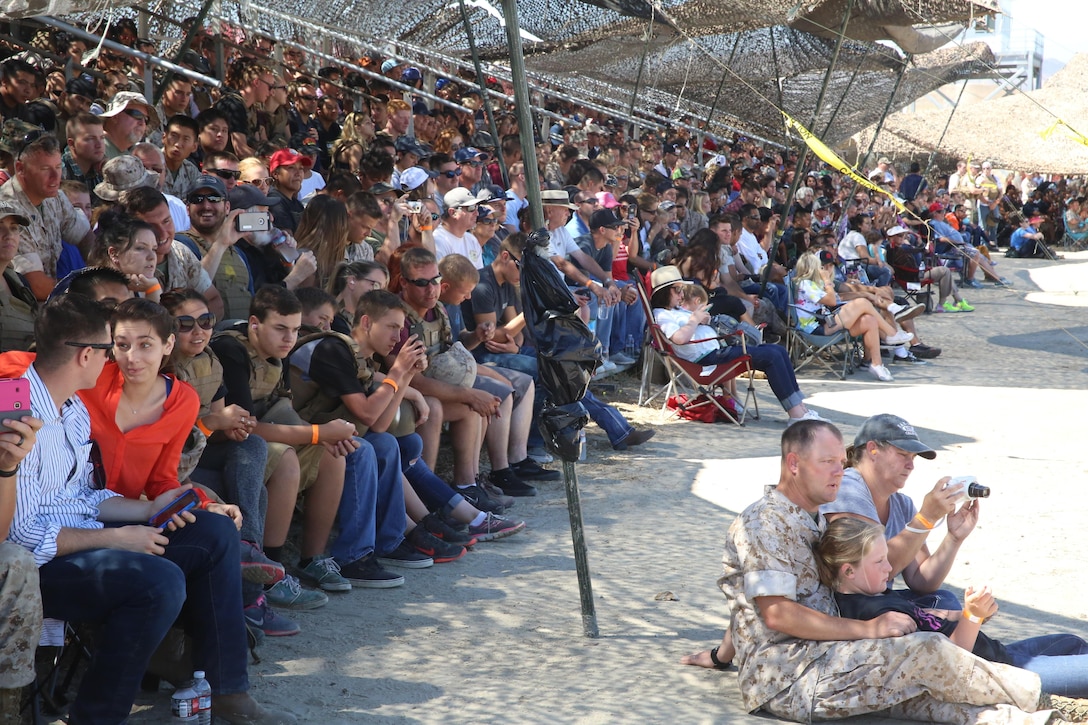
[
  {"x": 432, "y": 490},
  {"x": 878, "y": 276},
  {"x": 371, "y": 515},
  {"x": 776, "y": 292},
  {"x": 629, "y": 321},
  {"x": 1060, "y": 660},
  {"x": 241, "y": 464},
  {"x": 137, "y": 598},
  {"x": 771, "y": 359},
  {"x": 609, "y": 419}
]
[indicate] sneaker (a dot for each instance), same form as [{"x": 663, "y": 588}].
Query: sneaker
[
  {"x": 950, "y": 306},
  {"x": 367, "y": 573},
  {"x": 925, "y": 351},
  {"x": 541, "y": 456},
  {"x": 258, "y": 568},
  {"x": 895, "y": 309},
  {"x": 606, "y": 366},
  {"x": 510, "y": 484},
  {"x": 530, "y": 470},
  {"x": 899, "y": 338},
  {"x": 437, "y": 527},
  {"x": 323, "y": 571},
  {"x": 810, "y": 414},
  {"x": 964, "y": 307},
  {"x": 476, "y": 496},
  {"x": 881, "y": 373},
  {"x": 406, "y": 557},
  {"x": 289, "y": 594},
  {"x": 1001, "y": 282},
  {"x": 428, "y": 544},
  {"x": 1070, "y": 709},
  {"x": 907, "y": 313},
  {"x": 261, "y": 616},
  {"x": 618, "y": 358},
  {"x": 495, "y": 527},
  {"x": 973, "y": 284},
  {"x": 909, "y": 358},
  {"x": 635, "y": 438}
]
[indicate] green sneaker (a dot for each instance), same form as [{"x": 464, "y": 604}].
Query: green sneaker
[
  {"x": 324, "y": 572},
  {"x": 950, "y": 306},
  {"x": 965, "y": 307},
  {"x": 287, "y": 593}
]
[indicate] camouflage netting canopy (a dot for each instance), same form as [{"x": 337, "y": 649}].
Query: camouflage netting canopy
[
  {"x": 1005, "y": 130},
  {"x": 593, "y": 49}
]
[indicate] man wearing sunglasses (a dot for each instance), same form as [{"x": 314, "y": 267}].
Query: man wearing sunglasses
[
  {"x": 214, "y": 232},
  {"x": 453, "y": 235},
  {"x": 126, "y": 122},
  {"x": 472, "y": 162},
  {"x": 224, "y": 166}
]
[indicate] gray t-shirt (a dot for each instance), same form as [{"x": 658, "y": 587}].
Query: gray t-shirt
[{"x": 854, "y": 498}]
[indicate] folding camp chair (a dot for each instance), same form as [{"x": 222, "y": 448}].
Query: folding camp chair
[
  {"x": 703, "y": 383},
  {"x": 828, "y": 350},
  {"x": 915, "y": 284}
]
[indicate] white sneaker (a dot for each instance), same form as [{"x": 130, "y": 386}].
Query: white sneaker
[
  {"x": 606, "y": 366},
  {"x": 896, "y": 309},
  {"x": 881, "y": 373},
  {"x": 900, "y": 338},
  {"x": 810, "y": 414}
]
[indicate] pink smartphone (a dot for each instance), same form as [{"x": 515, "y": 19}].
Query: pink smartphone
[
  {"x": 14, "y": 400},
  {"x": 182, "y": 503}
]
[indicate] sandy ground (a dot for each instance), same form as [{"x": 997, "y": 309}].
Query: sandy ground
[{"x": 497, "y": 636}]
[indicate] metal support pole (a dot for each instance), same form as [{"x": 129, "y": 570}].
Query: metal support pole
[
  {"x": 721, "y": 85},
  {"x": 152, "y": 59},
  {"x": 570, "y": 477},
  {"x": 641, "y": 65},
  {"x": 887, "y": 109},
  {"x": 933, "y": 153},
  {"x": 197, "y": 24},
  {"x": 803, "y": 158},
  {"x": 484, "y": 95}
]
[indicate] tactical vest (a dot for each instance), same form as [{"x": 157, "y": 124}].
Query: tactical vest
[
  {"x": 205, "y": 373},
  {"x": 436, "y": 335},
  {"x": 231, "y": 279},
  {"x": 265, "y": 376},
  {"x": 314, "y": 405},
  {"x": 17, "y": 314}
]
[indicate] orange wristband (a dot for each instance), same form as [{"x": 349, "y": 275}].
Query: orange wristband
[
  {"x": 313, "y": 441},
  {"x": 153, "y": 288},
  {"x": 392, "y": 383},
  {"x": 203, "y": 428},
  {"x": 426, "y": 229},
  {"x": 970, "y": 617},
  {"x": 924, "y": 521}
]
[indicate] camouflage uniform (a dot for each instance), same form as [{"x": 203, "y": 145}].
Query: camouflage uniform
[
  {"x": 921, "y": 676},
  {"x": 20, "y": 615}
]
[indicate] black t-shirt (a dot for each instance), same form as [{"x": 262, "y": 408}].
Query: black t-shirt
[
  {"x": 286, "y": 213},
  {"x": 866, "y": 607},
  {"x": 332, "y": 367},
  {"x": 489, "y": 296}
]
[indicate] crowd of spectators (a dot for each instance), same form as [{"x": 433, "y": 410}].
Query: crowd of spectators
[{"x": 328, "y": 267}]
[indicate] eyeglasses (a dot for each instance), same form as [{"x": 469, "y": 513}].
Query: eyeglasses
[
  {"x": 754, "y": 217},
  {"x": 136, "y": 114},
  {"x": 452, "y": 174},
  {"x": 224, "y": 173},
  {"x": 424, "y": 283},
  {"x": 262, "y": 183},
  {"x": 95, "y": 345},
  {"x": 201, "y": 198},
  {"x": 374, "y": 283},
  {"x": 272, "y": 85},
  {"x": 186, "y": 323}
]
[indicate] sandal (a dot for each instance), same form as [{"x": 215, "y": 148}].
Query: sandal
[{"x": 718, "y": 664}]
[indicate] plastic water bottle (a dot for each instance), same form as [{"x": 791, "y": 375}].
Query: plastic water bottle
[
  {"x": 582, "y": 444},
  {"x": 631, "y": 348},
  {"x": 183, "y": 705},
  {"x": 203, "y": 692}
]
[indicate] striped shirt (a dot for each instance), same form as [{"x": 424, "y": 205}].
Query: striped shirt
[{"x": 55, "y": 487}]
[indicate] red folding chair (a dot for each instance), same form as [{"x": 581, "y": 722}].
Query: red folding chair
[{"x": 702, "y": 383}]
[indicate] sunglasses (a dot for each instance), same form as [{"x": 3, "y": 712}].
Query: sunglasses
[
  {"x": 201, "y": 198},
  {"x": 224, "y": 173},
  {"x": 452, "y": 174},
  {"x": 473, "y": 164},
  {"x": 435, "y": 217},
  {"x": 424, "y": 283},
  {"x": 186, "y": 323},
  {"x": 138, "y": 115},
  {"x": 26, "y": 141},
  {"x": 95, "y": 345},
  {"x": 266, "y": 181},
  {"x": 307, "y": 98}
]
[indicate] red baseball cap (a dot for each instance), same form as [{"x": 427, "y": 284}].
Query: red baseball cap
[{"x": 287, "y": 157}]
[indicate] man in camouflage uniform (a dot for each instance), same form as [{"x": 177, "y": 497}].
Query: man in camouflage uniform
[{"x": 800, "y": 661}]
